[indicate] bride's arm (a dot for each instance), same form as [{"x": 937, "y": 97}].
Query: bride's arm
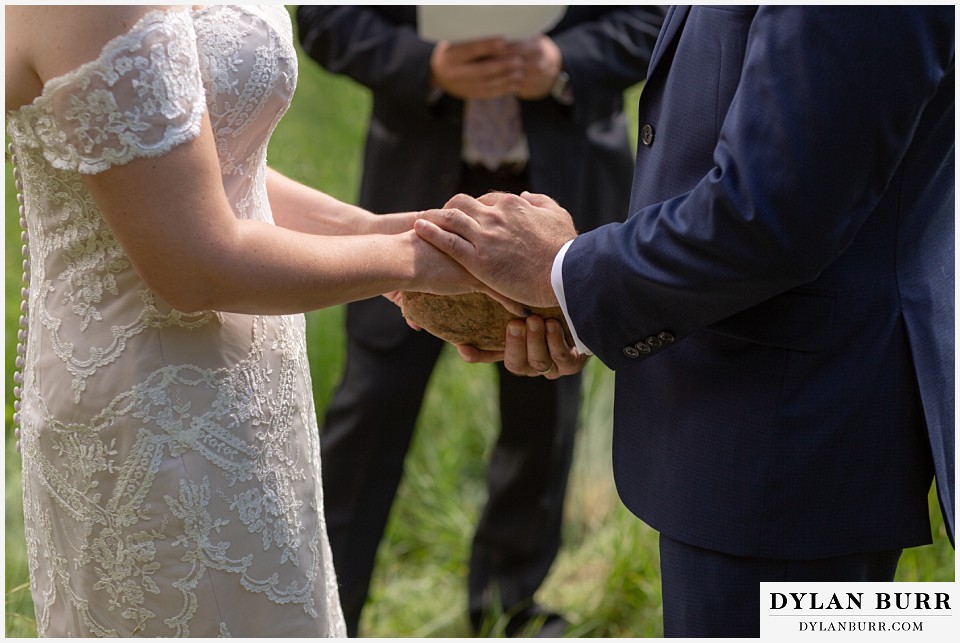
[
  {"x": 174, "y": 221},
  {"x": 302, "y": 208},
  {"x": 172, "y": 217}
]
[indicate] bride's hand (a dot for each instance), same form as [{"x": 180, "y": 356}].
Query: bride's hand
[
  {"x": 437, "y": 273},
  {"x": 396, "y": 297},
  {"x": 508, "y": 241},
  {"x": 533, "y": 347}
]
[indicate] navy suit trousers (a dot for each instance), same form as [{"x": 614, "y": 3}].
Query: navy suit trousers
[{"x": 710, "y": 594}]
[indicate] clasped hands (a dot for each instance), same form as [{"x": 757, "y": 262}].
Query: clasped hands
[
  {"x": 492, "y": 67},
  {"x": 506, "y": 241},
  {"x": 509, "y": 242}
]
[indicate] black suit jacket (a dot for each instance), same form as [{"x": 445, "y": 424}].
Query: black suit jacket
[{"x": 579, "y": 154}]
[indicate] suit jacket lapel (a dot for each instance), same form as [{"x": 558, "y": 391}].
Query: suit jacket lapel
[{"x": 672, "y": 24}]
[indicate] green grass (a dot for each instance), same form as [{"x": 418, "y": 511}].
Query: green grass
[{"x": 606, "y": 577}]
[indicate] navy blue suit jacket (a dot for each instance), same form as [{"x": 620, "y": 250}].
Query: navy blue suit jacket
[{"x": 779, "y": 305}]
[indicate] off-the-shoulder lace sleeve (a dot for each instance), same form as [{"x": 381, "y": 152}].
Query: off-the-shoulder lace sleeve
[{"x": 140, "y": 98}]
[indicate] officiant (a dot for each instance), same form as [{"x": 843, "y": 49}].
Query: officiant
[{"x": 541, "y": 112}]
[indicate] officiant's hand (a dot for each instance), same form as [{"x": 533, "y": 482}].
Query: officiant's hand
[
  {"x": 485, "y": 68},
  {"x": 542, "y": 64},
  {"x": 507, "y": 241},
  {"x": 533, "y": 347}
]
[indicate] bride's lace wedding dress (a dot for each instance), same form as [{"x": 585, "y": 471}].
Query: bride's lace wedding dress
[{"x": 171, "y": 469}]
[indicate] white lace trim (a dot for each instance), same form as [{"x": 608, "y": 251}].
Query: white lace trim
[{"x": 140, "y": 98}]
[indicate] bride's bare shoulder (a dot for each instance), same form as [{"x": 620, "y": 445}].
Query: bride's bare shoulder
[{"x": 46, "y": 41}]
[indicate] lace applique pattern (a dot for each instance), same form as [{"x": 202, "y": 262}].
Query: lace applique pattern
[
  {"x": 163, "y": 452},
  {"x": 91, "y": 262},
  {"x": 243, "y": 83},
  {"x": 252, "y": 482},
  {"x": 140, "y": 98}
]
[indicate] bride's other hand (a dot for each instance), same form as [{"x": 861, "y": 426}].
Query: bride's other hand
[{"x": 396, "y": 297}]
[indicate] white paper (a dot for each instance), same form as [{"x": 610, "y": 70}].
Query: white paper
[{"x": 458, "y": 23}]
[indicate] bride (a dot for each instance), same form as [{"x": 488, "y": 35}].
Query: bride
[{"x": 170, "y": 460}]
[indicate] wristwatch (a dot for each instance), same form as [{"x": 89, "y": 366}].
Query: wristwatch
[{"x": 561, "y": 91}]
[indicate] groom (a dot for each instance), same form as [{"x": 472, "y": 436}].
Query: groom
[{"x": 778, "y": 307}]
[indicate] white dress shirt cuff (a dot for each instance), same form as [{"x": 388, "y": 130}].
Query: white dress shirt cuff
[{"x": 556, "y": 280}]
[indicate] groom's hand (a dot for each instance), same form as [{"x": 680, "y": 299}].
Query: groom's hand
[
  {"x": 507, "y": 241},
  {"x": 533, "y": 347}
]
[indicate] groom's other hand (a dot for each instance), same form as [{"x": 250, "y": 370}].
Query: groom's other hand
[
  {"x": 536, "y": 347},
  {"x": 507, "y": 241},
  {"x": 533, "y": 347}
]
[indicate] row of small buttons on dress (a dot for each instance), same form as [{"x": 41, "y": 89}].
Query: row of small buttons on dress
[
  {"x": 648, "y": 345},
  {"x": 22, "y": 332}
]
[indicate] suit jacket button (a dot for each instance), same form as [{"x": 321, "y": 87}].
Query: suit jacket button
[
  {"x": 642, "y": 347},
  {"x": 653, "y": 342},
  {"x": 647, "y": 135},
  {"x": 631, "y": 352},
  {"x": 665, "y": 337}
]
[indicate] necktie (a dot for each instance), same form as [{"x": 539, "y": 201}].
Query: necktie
[{"x": 492, "y": 128}]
